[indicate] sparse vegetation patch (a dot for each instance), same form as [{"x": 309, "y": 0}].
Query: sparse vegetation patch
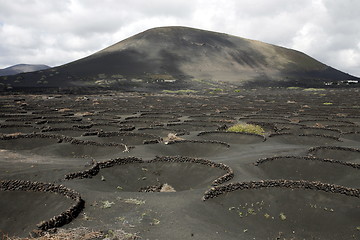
[
  {"x": 134, "y": 201},
  {"x": 180, "y": 91},
  {"x": 247, "y": 128},
  {"x": 314, "y": 89}
]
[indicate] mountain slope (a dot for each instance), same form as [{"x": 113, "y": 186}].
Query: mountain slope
[
  {"x": 180, "y": 57},
  {"x": 22, "y": 68}
]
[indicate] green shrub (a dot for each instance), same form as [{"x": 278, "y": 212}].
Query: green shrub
[{"x": 247, "y": 128}]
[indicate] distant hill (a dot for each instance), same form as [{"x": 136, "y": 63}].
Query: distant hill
[
  {"x": 181, "y": 57},
  {"x": 22, "y": 68}
]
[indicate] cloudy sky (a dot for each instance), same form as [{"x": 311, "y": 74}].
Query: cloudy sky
[{"x": 55, "y": 32}]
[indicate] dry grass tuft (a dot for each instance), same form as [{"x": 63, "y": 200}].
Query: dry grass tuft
[
  {"x": 134, "y": 201},
  {"x": 80, "y": 233},
  {"x": 13, "y": 134},
  {"x": 167, "y": 188},
  {"x": 172, "y": 137}
]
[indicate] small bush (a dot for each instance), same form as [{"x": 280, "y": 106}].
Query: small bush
[
  {"x": 247, "y": 128},
  {"x": 282, "y": 216},
  {"x": 107, "y": 204}
]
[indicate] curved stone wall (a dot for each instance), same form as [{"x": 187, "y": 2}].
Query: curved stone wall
[
  {"x": 198, "y": 141},
  {"x": 313, "y": 149},
  {"x": 318, "y": 186},
  {"x": 228, "y": 176},
  {"x": 263, "y": 160},
  {"x": 56, "y": 221},
  {"x": 94, "y": 170},
  {"x": 234, "y": 133}
]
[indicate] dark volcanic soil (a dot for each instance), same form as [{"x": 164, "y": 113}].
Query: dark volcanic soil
[{"x": 113, "y": 148}]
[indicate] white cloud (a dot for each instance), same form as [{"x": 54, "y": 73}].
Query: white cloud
[
  {"x": 310, "y": 38},
  {"x": 56, "y": 32}
]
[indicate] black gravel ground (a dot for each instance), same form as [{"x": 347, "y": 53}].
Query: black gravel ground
[{"x": 99, "y": 161}]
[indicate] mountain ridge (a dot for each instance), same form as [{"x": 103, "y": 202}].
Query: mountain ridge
[
  {"x": 181, "y": 54},
  {"x": 21, "y": 68}
]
